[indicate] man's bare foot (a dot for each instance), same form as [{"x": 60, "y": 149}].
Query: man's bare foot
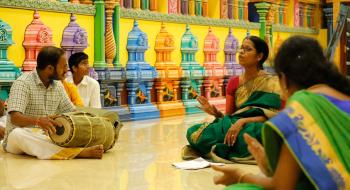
[{"x": 92, "y": 152}]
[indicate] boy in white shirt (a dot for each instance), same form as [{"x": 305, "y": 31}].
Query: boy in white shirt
[{"x": 89, "y": 88}]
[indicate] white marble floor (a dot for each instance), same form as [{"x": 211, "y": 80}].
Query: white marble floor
[{"x": 141, "y": 160}]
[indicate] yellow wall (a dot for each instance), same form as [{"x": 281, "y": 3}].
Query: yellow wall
[
  {"x": 177, "y": 30},
  {"x": 18, "y": 19}
]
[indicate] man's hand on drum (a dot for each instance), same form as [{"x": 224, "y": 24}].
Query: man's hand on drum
[{"x": 47, "y": 124}]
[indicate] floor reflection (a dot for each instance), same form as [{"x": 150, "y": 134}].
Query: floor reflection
[{"x": 141, "y": 160}]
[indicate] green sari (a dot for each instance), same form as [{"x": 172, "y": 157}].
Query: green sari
[
  {"x": 317, "y": 133},
  {"x": 257, "y": 97}
]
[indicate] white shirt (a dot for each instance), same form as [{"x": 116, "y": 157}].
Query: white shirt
[{"x": 89, "y": 91}]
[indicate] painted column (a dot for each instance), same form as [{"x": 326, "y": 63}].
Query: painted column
[
  {"x": 262, "y": 9},
  {"x": 198, "y": 7},
  {"x": 223, "y": 9},
  {"x": 301, "y": 14},
  {"x": 87, "y": 2},
  {"x": 145, "y": 4},
  {"x": 172, "y": 6},
  {"x": 99, "y": 42},
  {"x": 235, "y": 9},
  {"x": 110, "y": 42},
  {"x": 137, "y": 4},
  {"x": 116, "y": 27},
  {"x": 191, "y": 7},
  {"x": 184, "y": 7},
  {"x": 240, "y": 9},
  {"x": 329, "y": 17},
  {"x": 178, "y": 6},
  {"x": 153, "y": 5},
  {"x": 230, "y": 9},
  {"x": 205, "y": 8},
  {"x": 245, "y": 10},
  {"x": 128, "y": 4},
  {"x": 284, "y": 14}
]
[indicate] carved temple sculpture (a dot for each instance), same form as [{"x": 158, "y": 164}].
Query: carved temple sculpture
[
  {"x": 214, "y": 71},
  {"x": 168, "y": 81},
  {"x": 8, "y": 71},
  {"x": 74, "y": 38},
  {"x": 36, "y": 36},
  {"x": 192, "y": 72},
  {"x": 140, "y": 76},
  {"x": 231, "y": 65}
]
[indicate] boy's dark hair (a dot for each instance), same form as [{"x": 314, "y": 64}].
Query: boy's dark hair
[{"x": 75, "y": 59}]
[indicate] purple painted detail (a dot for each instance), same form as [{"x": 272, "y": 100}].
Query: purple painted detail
[
  {"x": 230, "y": 49},
  {"x": 74, "y": 38}
]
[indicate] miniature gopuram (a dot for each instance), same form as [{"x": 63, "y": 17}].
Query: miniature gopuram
[
  {"x": 192, "y": 72},
  {"x": 140, "y": 76},
  {"x": 74, "y": 38},
  {"x": 36, "y": 36},
  {"x": 214, "y": 71},
  {"x": 168, "y": 81},
  {"x": 8, "y": 71},
  {"x": 231, "y": 65}
]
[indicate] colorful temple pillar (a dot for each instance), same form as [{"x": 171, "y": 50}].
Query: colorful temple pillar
[
  {"x": 192, "y": 72},
  {"x": 205, "y": 8},
  {"x": 198, "y": 7},
  {"x": 145, "y": 4},
  {"x": 87, "y": 2},
  {"x": 136, "y": 4},
  {"x": 230, "y": 9},
  {"x": 128, "y": 4},
  {"x": 36, "y": 36},
  {"x": 231, "y": 65},
  {"x": 184, "y": 7},
  {"x": 8, "y": 71},
  {"x": 329, "y": 20},
  {"x": 167, "y": 83},
  {"x": 245, "y": 10},
  {"x": 223, "y": 9},
  {"x": 240, "y": 9},
  {"x": 301, "y": 14},
  {"x": 172, "y": 6},
  {"x": 112, "y": 78},
  {"x": 140, "y": 76},
  {"x": 191, "y": 7},
  {"x": 235, "y": 10},
  {"x": 214, "y": 72},
  {"x": 262, "y": 9},
  {"x": 178, "y": 6},
  {"x": 99, "y": 37},
  {"x": 153, "y": 5}
]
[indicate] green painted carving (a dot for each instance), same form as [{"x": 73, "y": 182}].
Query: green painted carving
[
  {"x": 53, "y": 6},
  {"x": 174, "y": 18}
]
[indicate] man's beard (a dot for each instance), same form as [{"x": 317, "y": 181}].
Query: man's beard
[{"x": 54, "y": 76}]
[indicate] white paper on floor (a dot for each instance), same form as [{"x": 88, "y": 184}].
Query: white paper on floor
[{"x": 195, "y": 164}]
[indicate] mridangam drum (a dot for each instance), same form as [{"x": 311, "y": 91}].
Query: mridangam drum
[{"x": 83, "y": 129}]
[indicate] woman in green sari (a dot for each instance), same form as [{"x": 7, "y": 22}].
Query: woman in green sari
[
  {"x": 307, "y": 145},
  {"x": 256, "y": 98}
]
